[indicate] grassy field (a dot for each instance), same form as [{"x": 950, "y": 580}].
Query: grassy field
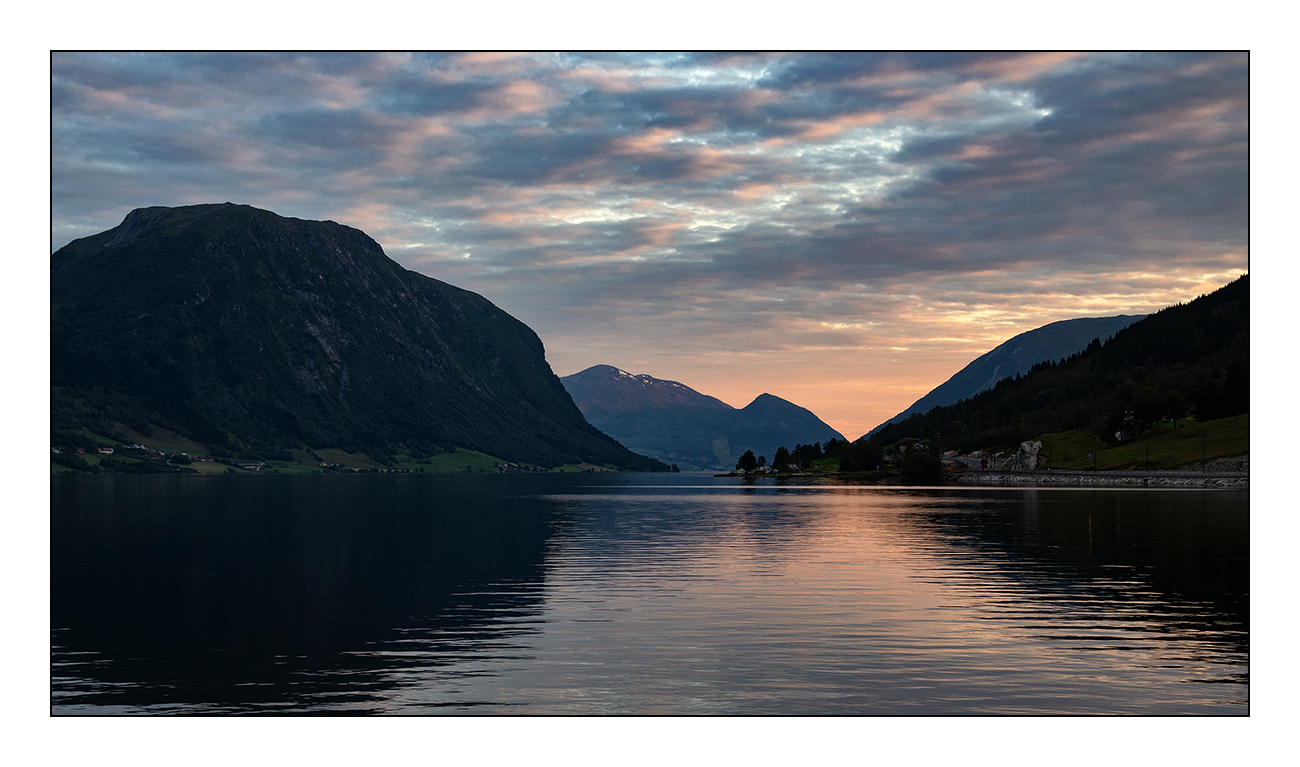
[
  {"x": 345, "y": 459},
  {"x": 94, "y": 460},
  {"x": 58, "y": 468},
  {"x": 279, "y": 467},
  {"x": 463, "y": 460},
  {"x": 162, "y": 440},
  {"x": 1165, "y": 447},
  {"x": 98, "y": 439},
  {"x": 307, "y": 462},
  {"x": 576, "y": 467},
  {"x": 449, "y": 463},
  {"x": 209, "y": 467},
  {"x": 91, "y": 458}
]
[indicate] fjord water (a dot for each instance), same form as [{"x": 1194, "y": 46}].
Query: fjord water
[{"x": 642, "y": 594}]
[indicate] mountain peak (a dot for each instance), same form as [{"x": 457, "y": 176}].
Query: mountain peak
[
  {"x": 673, "y": 422},
  {"x": 612, "y": 389},
  {"x": 250, "y": 331}
]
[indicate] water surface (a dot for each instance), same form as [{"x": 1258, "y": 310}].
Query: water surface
[{"x": 642, "y": 594}]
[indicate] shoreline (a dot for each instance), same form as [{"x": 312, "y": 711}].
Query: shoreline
[{"x": 1064, "y": 478}]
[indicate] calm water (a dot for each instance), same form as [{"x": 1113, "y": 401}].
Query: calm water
[{"x": 642, "y": 594}]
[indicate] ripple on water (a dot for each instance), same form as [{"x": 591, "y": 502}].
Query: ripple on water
[{"x": 623, "y": 596}]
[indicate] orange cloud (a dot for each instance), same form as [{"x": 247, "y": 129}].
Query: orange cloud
[
  {"x": 1023, "y": 67},
  {"x": 618, "y": 79},
  {"x": 492, "y": 62},
  {"x": 650, "y": 141},
  {"x": 403, "y": 151},
  {"x": 827, "y": 128},
  {"x": 514, "y": 98},
  {"x": 754, "y": 191}
]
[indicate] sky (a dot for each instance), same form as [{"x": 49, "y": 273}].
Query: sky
[
  {"x": 95, "y": 174},
  {"x": 843, "y": 230}
]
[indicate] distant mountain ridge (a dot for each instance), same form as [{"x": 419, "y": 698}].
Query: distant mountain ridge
[
  {"x": 610, "y": 389},
  {"x": 255, "y": 334},
  {"x": 1186, "y": 359},
  {"x": 1016, "y": 356},
  {"x": 676, "y": 424}
]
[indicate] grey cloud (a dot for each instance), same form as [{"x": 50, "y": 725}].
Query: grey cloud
[
  {"x": 821, "y": 69},
  {"x": 416, "y": 96},
  {"x": 508, "y": 156},
  {"x": 688, "y": 107},
  {"x": 1131, "y": 169},
  {"x": 1092, "y": 102},
  {"x": 348, "y": 130},
  {"x": 681, "y": 107}
]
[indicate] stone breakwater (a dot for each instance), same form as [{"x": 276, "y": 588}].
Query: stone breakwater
[
  {"x": 1240, "y": 464},
  {"x": 1210, "y": 479}
]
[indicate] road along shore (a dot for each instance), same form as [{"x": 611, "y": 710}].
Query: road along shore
[{"x": 1061, "y": 478}]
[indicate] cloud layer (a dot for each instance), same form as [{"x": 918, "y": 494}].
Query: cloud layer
[{"x": 843, "y": 230}]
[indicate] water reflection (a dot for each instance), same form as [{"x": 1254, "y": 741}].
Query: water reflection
[
  {"x": 1182, "y": 555},
  {"x": 272, "y": 592},
  {"x": 644, "y": 594}
]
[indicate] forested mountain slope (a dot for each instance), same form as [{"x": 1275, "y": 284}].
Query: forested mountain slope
[
  {"x": 1189, "y": 358},
  {"x": 254, "y": 333},
  {"x": 1016, "y": 356}
]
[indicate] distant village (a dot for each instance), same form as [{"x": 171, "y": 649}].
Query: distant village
[
  {"x": 175, "y": 458},
  {"x": 150, "y": 460}
]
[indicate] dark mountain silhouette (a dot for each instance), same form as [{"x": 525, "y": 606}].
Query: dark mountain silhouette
[
  {"x": 1016, "y": 356},
  {"x": 1186, "y": 359},
  {"x": 254, "y": 333},
  {"x": 677, "y": 424}
]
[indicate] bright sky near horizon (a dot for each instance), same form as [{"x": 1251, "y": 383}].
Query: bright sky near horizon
[{"x": 844, "y": 230}]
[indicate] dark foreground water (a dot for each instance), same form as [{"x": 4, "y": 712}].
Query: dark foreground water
[{"x": 642, "y": 594}]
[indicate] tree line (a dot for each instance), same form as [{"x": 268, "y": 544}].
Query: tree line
[{"x": 853, "y": 456}]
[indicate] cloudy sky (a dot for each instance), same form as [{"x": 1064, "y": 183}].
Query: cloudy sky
[{"x": 842, "y": 230}]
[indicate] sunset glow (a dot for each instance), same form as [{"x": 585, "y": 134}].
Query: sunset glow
[{"x": 842, "y": 230}]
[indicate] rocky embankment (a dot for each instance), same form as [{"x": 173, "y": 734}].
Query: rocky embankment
[{"x": 1221, "y": 473}]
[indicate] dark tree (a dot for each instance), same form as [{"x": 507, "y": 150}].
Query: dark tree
[
  {"x": 861, "y": 456},
  {"x": 806, "y": 454},
  {"x": 920, "y": 465},
  {"x": 782, "y": 458},
  {"x": 747, "y": 462},
  {"x": 834, "y": 448}
]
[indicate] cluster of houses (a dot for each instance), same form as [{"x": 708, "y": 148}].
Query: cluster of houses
[
  {"x": 505, "y": 467},
  {"x": 82, "y": 450},
  {"x": 785, "y": 468}
]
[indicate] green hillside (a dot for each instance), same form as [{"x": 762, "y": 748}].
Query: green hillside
[
  {"x": 256, "y": 335},
  {"x": 1164, "y": 446}
]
